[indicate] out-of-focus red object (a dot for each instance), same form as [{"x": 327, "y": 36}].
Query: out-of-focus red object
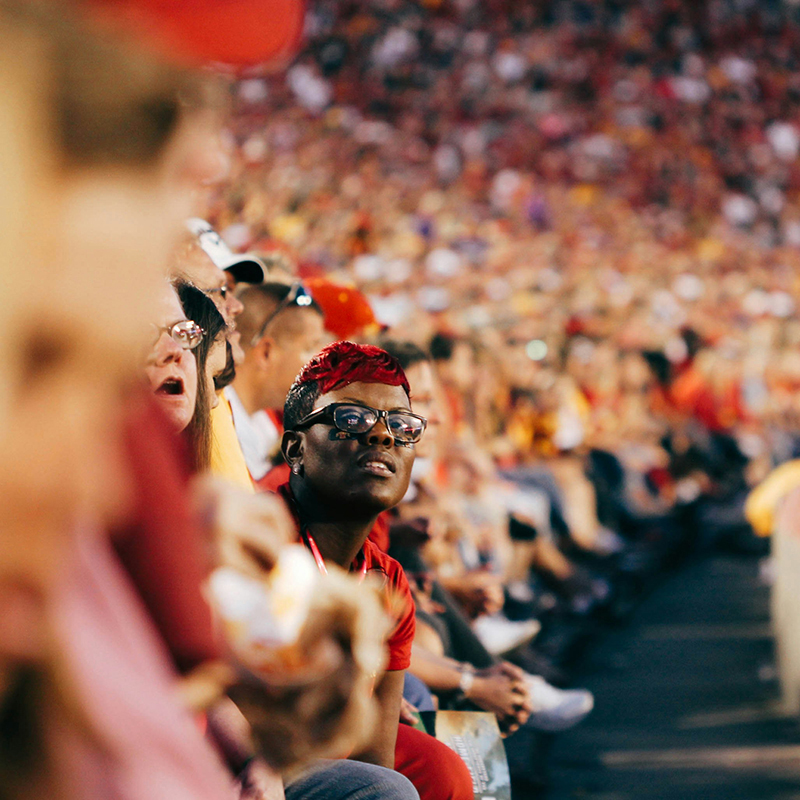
[
  {"x": 239, "y": 33},
  {"x": 347, "y": 312}
]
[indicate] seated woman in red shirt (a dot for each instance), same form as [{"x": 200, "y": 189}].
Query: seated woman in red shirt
[{"x": 349, "y": 442}]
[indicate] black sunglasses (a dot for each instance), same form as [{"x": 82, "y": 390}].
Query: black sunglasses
[
  {"x": 405, "y": 427},
  {"x": 298, "y": 295}
]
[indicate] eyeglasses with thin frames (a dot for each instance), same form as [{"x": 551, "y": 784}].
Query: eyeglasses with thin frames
[
  {"x": 185, "y": 332},
  {"x": 221, "y": 290}
]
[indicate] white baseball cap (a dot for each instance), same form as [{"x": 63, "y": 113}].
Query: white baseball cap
[{"x": 244, "y": 267}]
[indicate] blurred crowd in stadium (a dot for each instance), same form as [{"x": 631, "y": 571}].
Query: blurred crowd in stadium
[
  {"x": 600, "y": 176},
  {"x": 566, "y": 239}
]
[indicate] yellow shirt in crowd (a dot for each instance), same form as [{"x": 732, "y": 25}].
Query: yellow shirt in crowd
[
  {"x": 227, "y": 460},
  {"x": 762, "y": 503}
]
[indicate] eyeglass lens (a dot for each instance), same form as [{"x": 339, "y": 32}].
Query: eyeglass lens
[
  {"x": 187, "y": 334},
  {"x": 360, "y": 419}
]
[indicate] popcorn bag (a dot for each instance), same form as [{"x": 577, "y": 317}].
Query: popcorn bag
[
  {"x": 308, "y": 647},
  {"x": 262, "y": 619}
]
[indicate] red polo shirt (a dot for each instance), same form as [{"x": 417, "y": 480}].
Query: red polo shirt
[{"x": 402, "y": 636}]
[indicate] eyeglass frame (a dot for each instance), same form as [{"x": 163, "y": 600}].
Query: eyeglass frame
[
  {"x": 223, "y": 291},
  {"x": 296, "y": 291},
  {"x": 319, "y": 414},
  {"x": 169, "y": 328}
]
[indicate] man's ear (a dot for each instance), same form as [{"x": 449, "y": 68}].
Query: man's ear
[
  {"x": 292, "y": 446},
  {"x": 262, "y": 350}
]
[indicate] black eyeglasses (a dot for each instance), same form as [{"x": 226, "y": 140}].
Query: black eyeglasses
[
  {"x": 298, "y": 295},
  {"x": 405, "y": 427},
  {"x": 186, "y": 333}
]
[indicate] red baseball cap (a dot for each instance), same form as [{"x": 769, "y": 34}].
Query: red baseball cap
[
  {"x": 346, "y": 310},
  {"x": 236, "y": 33}
]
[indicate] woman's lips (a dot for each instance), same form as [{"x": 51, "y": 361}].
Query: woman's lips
[
  {"x": 377, "y": 468},
  {"x": 378, "y": 464},
  {"x": 171, "y": 387}
]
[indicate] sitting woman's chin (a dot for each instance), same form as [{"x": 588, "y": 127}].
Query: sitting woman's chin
[
  {"x": 177, "y": 412},
  {"x": 384, "y": 496}
]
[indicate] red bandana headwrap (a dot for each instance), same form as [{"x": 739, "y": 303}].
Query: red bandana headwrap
[{"x": 343, "y": 363}]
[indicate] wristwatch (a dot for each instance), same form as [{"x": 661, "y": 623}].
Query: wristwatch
[{"x": 467, "y": 678}]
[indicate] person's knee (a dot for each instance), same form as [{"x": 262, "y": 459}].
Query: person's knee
[
  {"x": 460, "y": 783},
  {"x": 451, "y": 779},
  {"x": 390, "y": 786},
  {"x": 350, "y": 780},
  {"x": 438, "y": 772}
]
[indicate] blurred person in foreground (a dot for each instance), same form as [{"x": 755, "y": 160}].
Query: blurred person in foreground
[
  {"x": 281, "y": 328},
  {"x": 349, "y": 440},
  {"x": 87, "y": 702}
]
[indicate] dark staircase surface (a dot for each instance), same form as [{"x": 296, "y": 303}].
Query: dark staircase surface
[{"x": 687, "y": 700}]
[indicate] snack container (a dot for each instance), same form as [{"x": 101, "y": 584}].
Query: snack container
[{"x": 262, "y": 619}]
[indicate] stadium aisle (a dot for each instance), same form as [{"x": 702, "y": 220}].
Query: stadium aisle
[{"x": 686, "y": 699}]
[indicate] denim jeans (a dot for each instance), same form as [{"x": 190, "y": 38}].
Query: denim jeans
[
  {"x": 417, "y": 693},
  {"x": 350, "y": 780}
]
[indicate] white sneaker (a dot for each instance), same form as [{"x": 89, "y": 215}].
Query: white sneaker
[
  {"x": 608, "y": 543},
  {"x": 555, "y": 709},
  {"x": 498, "y": 634}
]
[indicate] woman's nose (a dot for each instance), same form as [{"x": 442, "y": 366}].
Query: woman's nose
[
  {"x": 167, "y": 350},
  {"x": 380, "y": 434}
]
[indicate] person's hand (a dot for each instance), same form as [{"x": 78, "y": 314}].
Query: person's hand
[
  {"x": 248, "y": 529},
  {"x": 512, "y": 671},
  {"x": 424, "y": 603},
  {"x": 478, "y": 592},
  {"x": 491, "y": 597},
  {"x": 259, "y": 782},
  {"x": 501, "y": 690},
  {"x": 421, "y": 589},
  {"x": 407, "y": 712}
]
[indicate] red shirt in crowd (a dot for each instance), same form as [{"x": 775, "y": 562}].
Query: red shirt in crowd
[
  {"x": 161, "y": 544},
  {"x": 396, "y": 586}
]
